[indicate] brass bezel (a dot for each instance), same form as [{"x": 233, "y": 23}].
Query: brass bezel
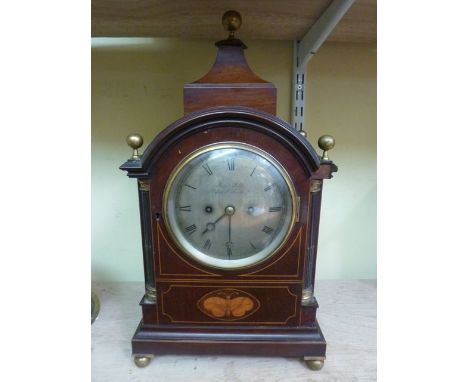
[{"x": 231, "y": 145}]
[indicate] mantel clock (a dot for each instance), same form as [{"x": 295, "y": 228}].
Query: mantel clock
[{"x": 230, "y": 201}]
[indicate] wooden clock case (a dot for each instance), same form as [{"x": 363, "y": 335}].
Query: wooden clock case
[{"x": 282, "y": 320}]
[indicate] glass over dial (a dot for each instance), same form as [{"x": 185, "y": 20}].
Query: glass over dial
[{"x": 229, "y": 205}]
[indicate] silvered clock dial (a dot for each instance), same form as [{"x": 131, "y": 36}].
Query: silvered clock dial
[{"x": 229, "y": 205}]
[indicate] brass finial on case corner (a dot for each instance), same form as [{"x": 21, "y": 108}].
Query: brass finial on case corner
[
  {"x": 232, "y": 21},
  {"x": 326, "y": 143},
  {"x": 150, "y": 293},
  {"x": 135, "y": 141}
]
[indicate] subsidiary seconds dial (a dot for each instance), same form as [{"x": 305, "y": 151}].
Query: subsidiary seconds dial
[{"x": 229, "y": 205}]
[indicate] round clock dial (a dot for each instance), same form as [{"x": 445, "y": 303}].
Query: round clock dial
[{"x": 229, "y": 205}]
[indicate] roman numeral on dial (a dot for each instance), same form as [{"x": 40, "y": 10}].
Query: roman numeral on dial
[
  {"x": 267, "y": 188},
  {"x": 191, "y": 229},
  {"x": 185, "y": 208},
  {"x": 275, "y": 209},
  {"x": 207, "y": 169},
  {"x": 230, "y": 164},
  {"x": 207, "y": 244},
  {"x": 267, "y": 230}
]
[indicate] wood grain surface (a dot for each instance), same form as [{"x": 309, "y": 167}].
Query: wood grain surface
[
  {"x": 181, "y": 282},
  {"x": 271, "y": 20},
  {"x": 230, "y": 81},
  {"x": 347, "y": 316}
]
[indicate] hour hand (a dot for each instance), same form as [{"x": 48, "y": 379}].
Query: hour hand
[
  {"x": 229, "y": 210},
  {"x": 209, "y": 227}
]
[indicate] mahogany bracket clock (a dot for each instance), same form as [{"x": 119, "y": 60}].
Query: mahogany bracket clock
[{"x": 230, "y": 201}]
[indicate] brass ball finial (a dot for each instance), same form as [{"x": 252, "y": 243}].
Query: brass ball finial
[
  {"x": 326, "y": 142},
  {"x": 232, "y": 21},
  {"x": 314, "y": 364},
  {"x": 135, "y": 141}
]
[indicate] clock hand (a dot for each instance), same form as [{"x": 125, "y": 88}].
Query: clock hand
[
  {"x": 230, "y": 210},
  {"x": 229, "y": 228},
  {"x": 211, "y": 226},
  {"x": 217, "y": 220}
]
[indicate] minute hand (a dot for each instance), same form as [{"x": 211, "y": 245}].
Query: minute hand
[{"x": 229, "y": 243}]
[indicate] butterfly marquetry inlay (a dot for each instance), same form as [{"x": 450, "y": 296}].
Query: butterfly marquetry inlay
[{"x": 228, "y": 304}]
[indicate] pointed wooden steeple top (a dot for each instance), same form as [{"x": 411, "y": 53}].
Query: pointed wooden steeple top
[{"x": 230, "y": 82}]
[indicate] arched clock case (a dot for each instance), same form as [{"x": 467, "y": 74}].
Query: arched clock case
[{"x": 262, "y": 307}]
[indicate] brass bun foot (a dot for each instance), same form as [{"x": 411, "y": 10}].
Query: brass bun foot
[
  {"x": 314, "y": 364},
  {"x": 142, "y": 360}
]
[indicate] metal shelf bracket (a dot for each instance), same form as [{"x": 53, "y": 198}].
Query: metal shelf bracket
[{"x": 303, "y": 51}]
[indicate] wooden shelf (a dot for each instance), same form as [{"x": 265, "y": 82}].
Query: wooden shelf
[{"x": 270, "y": 20}]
